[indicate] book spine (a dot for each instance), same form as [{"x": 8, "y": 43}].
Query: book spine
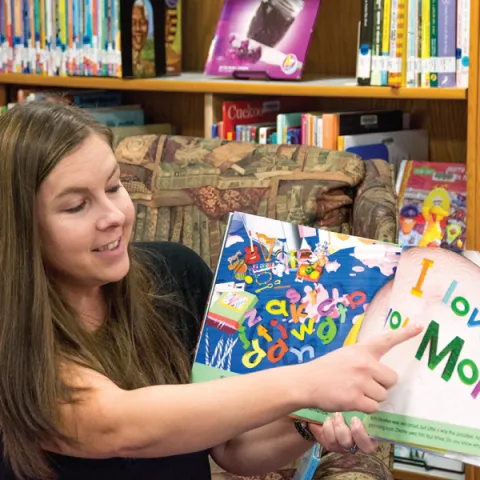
[
  {"x": 386, "y": 39},
  {"x": 74, "y": 52},
  {"x": 17, "y": 35},
  {"x": 364, "y": 54},
  {"x": 113, "y": 39},
  {"x": 94, "y": 6},
  {"x": 377, "y": 60},
  {"x": 87, "y": 52},
  {"x": 426, "y": 7},
  {"x": 110, "y": 57},
  {"x": 26, "y": 36},
  {"x": 434, "y": 43},
  {"x": 304, "y": 128},
  {"x": 393, "y": 64},
  {"x": 42, "y": 58},
  {"x": 101, "y": 34},
  {"x": 446, "y": 44},
  {"x": 411, "y": 44},
  {"x": 38, "y": 33},
  {"x": 397, "y": 77},
  {"x": 69, "y": 34},
  {"x": 9, "y": 34},
  {"x": 55, "y": 37},
  {"x": 99, "y": 23},
  {"x": 2, "y": 36},
  {"x": 33, "y": 8},
  {"x": 56, "y": 45},
  {"x": 29, "y": 40},
  {"x": 105, "y": 37},
  {"x": 418, "y": 43},
  {"x": 117, "y": 39},
  {"x": 80, "y": 16},
  {"x": 319, "y": 131},
  {"x": 463, "y": 43},
  {"x": 51, "y": 36},
  {"x": 63, "y": 36},
  {"x": 47, "y": 36}
]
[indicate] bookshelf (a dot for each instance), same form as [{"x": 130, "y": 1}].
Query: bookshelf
[
  {"x": 196, "y": 82},
  {"x": 192, "y": 101}
]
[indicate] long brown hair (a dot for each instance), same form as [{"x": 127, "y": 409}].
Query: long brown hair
[{"x": 134, "y": 347}]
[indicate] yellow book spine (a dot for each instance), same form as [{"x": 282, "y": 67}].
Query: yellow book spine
[
  {"x": 387, "y": 7},
  {"x": 63, "y": 36},
  {"x": 426, "y": 43},
  {"x": 397, "y": 77},
  {"x": 404, "y": 47}
]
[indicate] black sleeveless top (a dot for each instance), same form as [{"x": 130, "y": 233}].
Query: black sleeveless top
[{"x": 181, "y": 271}]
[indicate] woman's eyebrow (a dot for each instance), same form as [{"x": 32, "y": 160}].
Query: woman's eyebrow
[{"x": 70, "y": 190}]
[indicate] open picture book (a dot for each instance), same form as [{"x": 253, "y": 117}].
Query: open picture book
[{"x": 285, "y": 294}]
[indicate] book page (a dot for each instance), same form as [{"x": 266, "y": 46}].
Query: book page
[
  {"x": 436, "y": 401},
  {"x": 286, "y": 294}
]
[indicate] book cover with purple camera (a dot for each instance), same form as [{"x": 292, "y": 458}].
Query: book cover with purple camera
[{"x": 262, "y": 38}]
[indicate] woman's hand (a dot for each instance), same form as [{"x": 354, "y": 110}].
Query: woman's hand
[
  {"x": 353, "y": 378},
  {"x": 335, "y": 436}
]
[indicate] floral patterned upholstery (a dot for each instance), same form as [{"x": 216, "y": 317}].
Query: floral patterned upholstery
[{"x": 184, "y": 187}]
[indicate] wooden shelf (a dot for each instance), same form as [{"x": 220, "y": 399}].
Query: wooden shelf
[{"x": 198, "y": 83}]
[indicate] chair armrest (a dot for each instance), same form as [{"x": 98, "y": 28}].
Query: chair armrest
[{"x": 375, "y": 206}]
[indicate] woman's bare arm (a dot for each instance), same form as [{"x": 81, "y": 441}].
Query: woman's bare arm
[{"x": 174, "y": 419}]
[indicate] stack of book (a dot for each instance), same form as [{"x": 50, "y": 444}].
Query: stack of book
[
  {"x": 414, "y": 43},
  {"x": 87, "y": 37}
]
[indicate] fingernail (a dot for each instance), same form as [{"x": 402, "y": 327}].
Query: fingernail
[
  {"x": 338, "y": 418},
  {"x": 355, "y": 421}
]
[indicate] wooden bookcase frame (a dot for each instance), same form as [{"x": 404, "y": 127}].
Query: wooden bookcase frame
[{"x": 193, "y": 102}]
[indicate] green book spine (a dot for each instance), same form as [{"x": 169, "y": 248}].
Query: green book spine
[{"x": 434, "y": 44}]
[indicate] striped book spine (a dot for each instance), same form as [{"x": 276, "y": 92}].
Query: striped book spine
[{"x": 397, "y": 71}]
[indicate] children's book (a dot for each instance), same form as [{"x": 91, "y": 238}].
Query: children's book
[
  {"x": 285, "y": 294},
  {"x": 432, "y": 201},
  {"x": 267, "y": 38},
  {"x": 435, "y": 402}
]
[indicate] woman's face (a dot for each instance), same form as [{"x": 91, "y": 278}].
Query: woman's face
[{"x": 85, "y": 218}]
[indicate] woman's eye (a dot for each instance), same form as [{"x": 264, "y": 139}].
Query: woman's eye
[
  {"x": 114, "y": 189},
  {"x": 78, "y": 208}
]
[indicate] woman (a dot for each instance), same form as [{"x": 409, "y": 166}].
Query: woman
[{"x": 97, "y": 335}]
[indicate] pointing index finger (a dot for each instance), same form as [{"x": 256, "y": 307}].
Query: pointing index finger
[{"x": 386, "y": 341}]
